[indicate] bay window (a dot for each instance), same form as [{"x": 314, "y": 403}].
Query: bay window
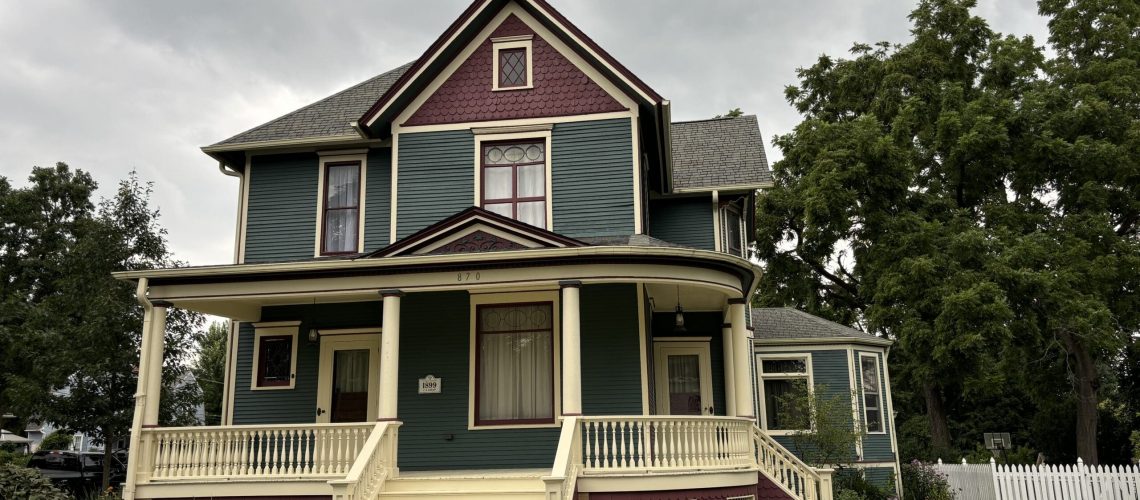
[
  {"x": 514, "y": 364},
  {"x": 514, "y": 180},
  {"x": 781, "y": 378},
  {"x": 872, "y": 393}
]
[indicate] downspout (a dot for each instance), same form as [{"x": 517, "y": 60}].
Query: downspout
[
  {"x": 135, "y": 453},
  {"x": 223, "y": 168}
]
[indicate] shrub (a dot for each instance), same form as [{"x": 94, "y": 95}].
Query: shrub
[
  {"x": 921, "y": 482},
  {"x": 57, "y": 440},
  {"x": 18, "y": 458},
  {"x": 849, "y": 495},
  {"x": 21, "y": 482},
  {"x": 862, "y": 489}
]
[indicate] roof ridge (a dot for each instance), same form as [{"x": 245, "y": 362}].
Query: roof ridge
[
  {"x": 714, "y": 119},
  {"x": 402, "y": 67}
]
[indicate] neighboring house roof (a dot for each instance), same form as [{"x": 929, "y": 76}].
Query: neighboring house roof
[
  {"x": 718, "y": 153},
  {"x": 329, "y": 117},
  {"x": 785, "y": 323}
]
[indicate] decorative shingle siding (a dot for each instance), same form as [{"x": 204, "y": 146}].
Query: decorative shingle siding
[
  {"x": 592, "y": 170},
  {"x": 685, "y": 221},
  {"x": 876, "y": 447},
  {"x": 378, "y": 200},
  {"x": 435, "y": 338},
  {"x": 560, "y": 88},
  {"x": 611, "y": 361},
  {"x": 700, "y": 324},
  {"x": 435, "y": 177},
  {"x": 282, "y": 217},
  {"x": 297, "y": 405}
]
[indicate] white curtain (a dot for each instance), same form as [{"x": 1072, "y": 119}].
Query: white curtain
[
  {"x": 342, "y": 204},
  {"x": 344, "y": 186},
  {"x": 516, "y": 363},
  {"x": 351, "y": 369}
]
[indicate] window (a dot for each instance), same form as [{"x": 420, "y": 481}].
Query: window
[
  {"x": 514, "y": 180},
  {"x": 274, "y": 356},
  {"x": 512, "y": 65},
  {"x": 733, "y": 233},
  {"x": 781, "y": 376},
  {"x": 872, "y": 393},
  {"x": 341, "y": 218},
  {"x": 514, "y": 357}
]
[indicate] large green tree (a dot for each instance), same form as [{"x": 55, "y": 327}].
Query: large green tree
[
  {"x": 210, "y": 370},
  {"x": 930, "y": 194}
]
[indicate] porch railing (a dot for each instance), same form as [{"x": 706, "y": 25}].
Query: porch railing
[
  {"x": 375, "y": 465},
  {"x": 661, "y": 443},
  {"x": 800, "y": 480},
  {"x": 251, "y": 451}
]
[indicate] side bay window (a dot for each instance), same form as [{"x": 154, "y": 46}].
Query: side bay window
[
  {"x": 783, "y": 377},
  {"x": 872, "y": 392},
  {"x": 514, "y": 180}
]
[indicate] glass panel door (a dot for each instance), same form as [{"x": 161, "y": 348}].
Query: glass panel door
[
  {"x": 684, "y": 384},
  {"x": 350, "y": 386},
  {"x": 683, "y": 377}
]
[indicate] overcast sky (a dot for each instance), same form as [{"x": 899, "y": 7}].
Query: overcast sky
[{"x": 112, "y": 86}]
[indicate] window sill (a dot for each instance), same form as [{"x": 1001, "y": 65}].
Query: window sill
[
  {"x": 504, "y": 89},
  {"x": 490, "y": 427},
  {"x": 272, "y": 387}
]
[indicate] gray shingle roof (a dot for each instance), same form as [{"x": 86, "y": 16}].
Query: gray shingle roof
[
  {"x": 328, "y": 117},
  {"x": 718, "y": 152},
  {"x": 633, "y": 240},
  {"x": 788, "y": 323}
]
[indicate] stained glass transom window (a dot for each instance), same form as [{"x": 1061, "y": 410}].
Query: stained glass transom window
[
  {"x": 275, "y": 360},
  {"x": 512, "y": 68}
]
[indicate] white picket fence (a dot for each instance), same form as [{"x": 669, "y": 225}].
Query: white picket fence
[{"x": 1042, "y": 482}]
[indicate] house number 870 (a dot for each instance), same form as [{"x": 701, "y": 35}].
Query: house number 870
[{"x": 468, "y": 277}]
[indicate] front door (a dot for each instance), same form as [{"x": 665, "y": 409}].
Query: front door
[
  {"x": 349, "y": 378},
  {"x": 683, "y": 378}
]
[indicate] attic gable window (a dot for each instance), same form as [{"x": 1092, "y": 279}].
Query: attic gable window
[{"x": 512, "y": 66}]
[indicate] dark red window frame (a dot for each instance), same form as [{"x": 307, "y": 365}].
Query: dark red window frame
[
  {"x": 325, "y": 207},
  {"x": 479, "y": 333},
  {"x": 514, "y": 200},
  {"x": 502, "y": 74},
  {"x": 262, "y": 358}
]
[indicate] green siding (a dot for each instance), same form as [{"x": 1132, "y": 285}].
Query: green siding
[
  {"x": 592, "y": 172},
  {"x": 282, "y": 214},
  {"x": 684, "y": 221},
  {"x": 700, "y": 324},
  {"x": 879, "y": 476},
  {"x": 435, "y": 338},
  {"x": 297, "y": 405},
  {"x": 829, "y": 370},
  {"x": 611, "y": 362},
  {"x": 436, "y": 177},
  {"x": 876, "y": 447},
  {"x": 378, "y": 200}
]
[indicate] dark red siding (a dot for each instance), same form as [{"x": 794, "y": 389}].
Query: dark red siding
[
  {"x": 764, "y": 489},
  {"x": 560, "y": 88}
]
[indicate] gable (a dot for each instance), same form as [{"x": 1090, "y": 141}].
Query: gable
[
  {"x": 475, "y": 230},
  {"x": 559, "y": 87}
]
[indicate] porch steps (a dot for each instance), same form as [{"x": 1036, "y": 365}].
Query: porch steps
[{"x": 513, "y": 484}]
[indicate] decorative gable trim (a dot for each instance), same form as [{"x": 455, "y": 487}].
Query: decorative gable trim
[
  {"x": 475, "y": 230},
  {"x": 375, "y": 121}
]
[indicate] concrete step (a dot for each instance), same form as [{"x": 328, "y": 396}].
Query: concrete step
[{"x": 524, "y": 484}]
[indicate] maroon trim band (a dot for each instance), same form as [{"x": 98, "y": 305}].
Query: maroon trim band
[
  {"x": 161, "y": 303},
  {"x": 570, "y": 284},
  {"x": 391, "y": 292},
  {"x": 737, "y": 301},
  {"x": 149, "y": 426},
  {"x": 571, "y": 414}
]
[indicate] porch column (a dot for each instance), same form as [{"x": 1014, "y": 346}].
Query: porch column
[
  {"x": 729, "y": 373},
  {"x": 389, "y": 355},
  {"x": 153, "y": 363},
  {"x": 133, "y": 466},
  {"x": 740, "y": 358},
  {"x": 571, "y": 349}
]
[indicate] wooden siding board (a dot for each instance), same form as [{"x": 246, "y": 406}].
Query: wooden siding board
[
  {"x": 611, "y": 362},
  {"x": 282, "y": 214},
  {"x": 684, "y": 221},
  {"x": 876, "y": 447},
  {"x": 378, "y": 200},
  {"x": 435, "y": 177},
  {"x": 435, "y": 338},
  {"x": 297, "y": 405},
  {"x": 592, "y": 173},
  {"x": 879, "y": 476}
]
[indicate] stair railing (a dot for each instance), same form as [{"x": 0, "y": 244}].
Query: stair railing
[
  {"x": 375, "y": 464},
  {"x": 800, "y": 480},
  {"x": 563, "y": 478}
]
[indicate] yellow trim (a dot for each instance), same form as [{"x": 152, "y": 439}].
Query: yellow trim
[
  {"x": 261, "y": 330},
  {"x": 480, "y": 127},
  {"x": 862, "y": 392},
  {"x": 301, "y": 142},
  {"x": 635, "y": 135},
  {"x": 394, "y": 187},
  {"x": 854, "y": 402},
  {"x": 230, "y": 381},
  {"x": 758, "y": 359},
  {"x": 507, "y": 43},
  {"x": 362, "y": 158},
  {"x": 246, "y": 181},
  {"x": 727, "y": 187},
  {"x": 686, "y": 346},
  {"x": 549, "y": 188},
  {"x": 643, "y": 348},
  {"x": 716, "y": 220},
  {"x": 477, "y": 299},
  {"x": 329, "y": 346}
]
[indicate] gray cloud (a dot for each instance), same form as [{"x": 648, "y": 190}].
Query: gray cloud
[{"x": 114, "y": 86}]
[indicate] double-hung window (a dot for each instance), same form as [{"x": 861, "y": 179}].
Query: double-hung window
[
  {"x": 340, "y": 221},
  {"x": 514, "y": 180},
  {"x": 732, "y": 239},
  {"x": 780, "y": 378},
  {"x": 872, "y": 392},
  {"x": 514, "y": 358}
]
